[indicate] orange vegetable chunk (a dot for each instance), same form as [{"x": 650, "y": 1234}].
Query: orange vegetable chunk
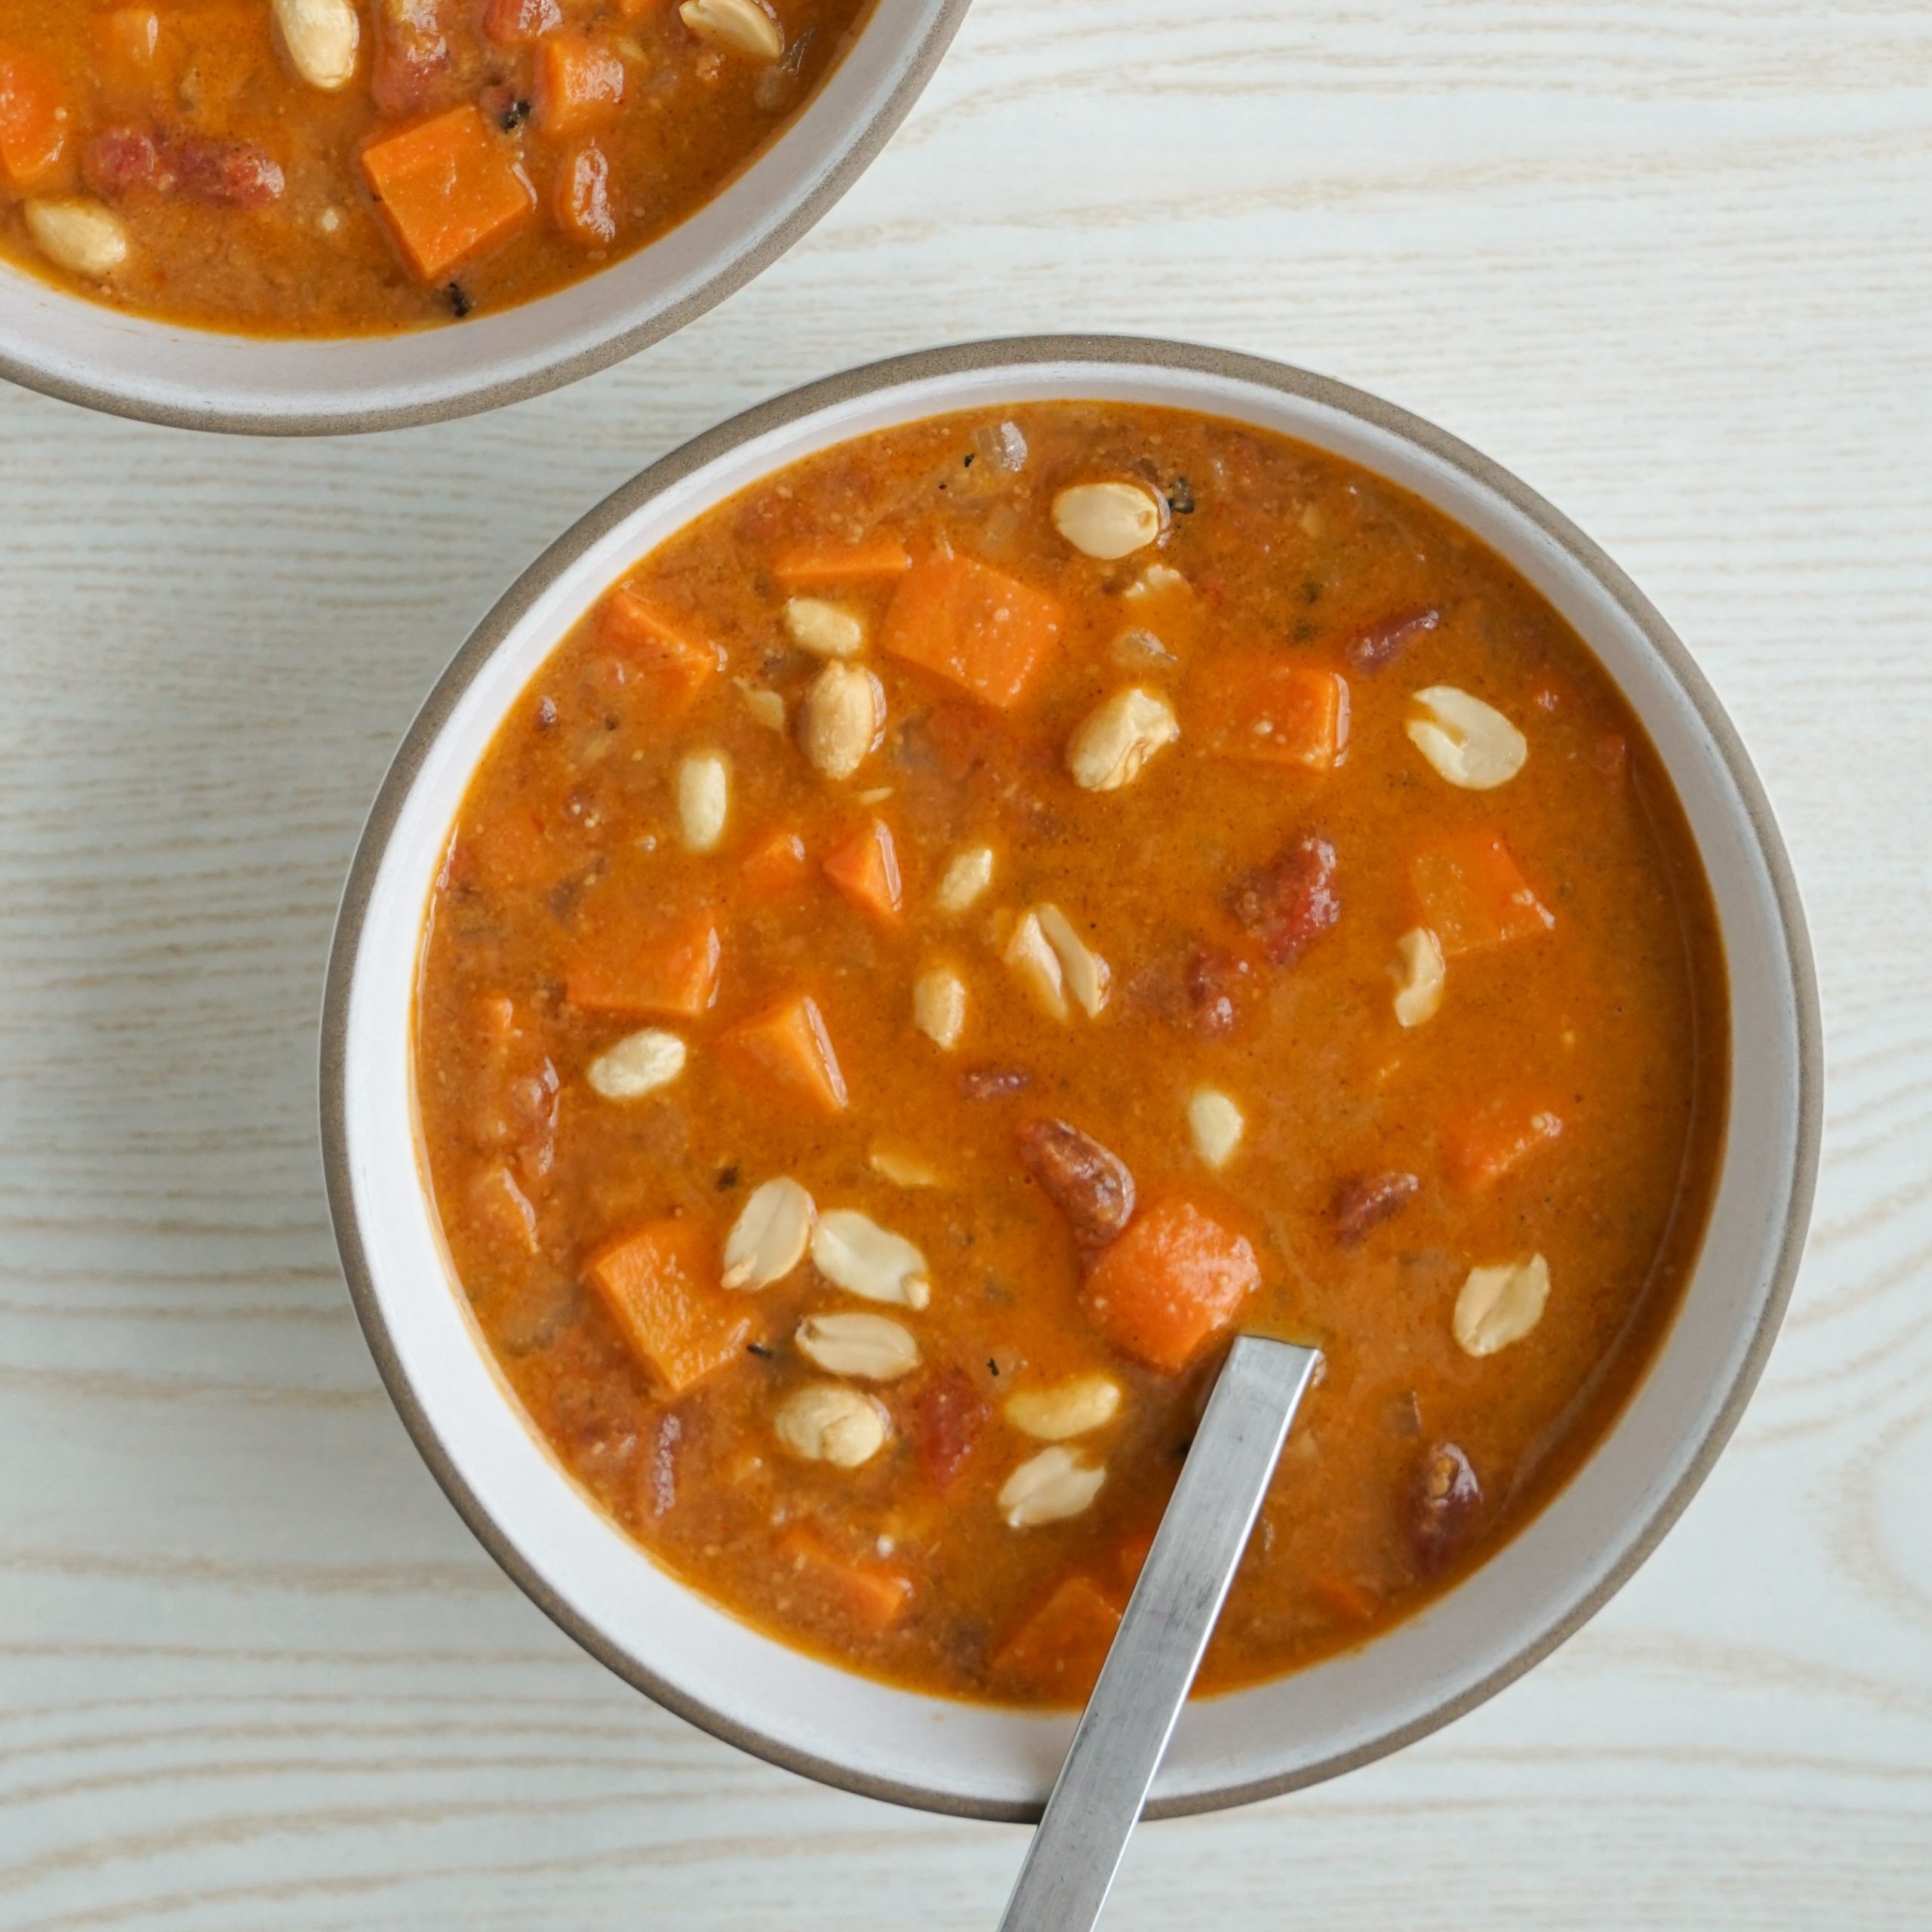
[
  {"x": 579, "y": 84},
  {"x": 987, "y": 631},
  {"x": 866, "y": 868},
  {"x": 777, "y": 866},
  {"x": 843, "y": 563},
  {"x": 1472, "y": 897},
  {"x": 1168, "y": 1287},
  {"x": 1271, "y": 709},
  {"x": 873, "y": 1595},
  {"x": 1482, "y": 1147},
  {"x": 787, "y": 1044},
  {"x": 1058, "y": 1651},
  {"x": 33, "y": 133},
  {"x": 638, "y": 960},
  {"x": 676, "y": 665},
  {"x": 520, "y": 22},
  {"x": 450, "y": 188},
  {"x": 660, "y": 1284},
  {"x": 580, "y": 200}
]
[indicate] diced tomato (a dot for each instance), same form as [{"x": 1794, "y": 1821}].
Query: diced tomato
[
  {"x": 660, "y": 1285},
  {"x": 1172, "y": 1282},
  {"x": 1481, "y": 1147},
  {"x": 520, "y": 22},
  {"x": 1058, "y": 1651},
  {"x": 579, "y": 84},
  {"x": 777, "y": 866},
  {"x": 1472, "y": 897},
  {"x": 866, "y": 868},
  {"x": 985, "y": 631},
  {"x": 676, "y": 665},
  {"x": 581, "y": 199},
  {"x": 638, "y": 960},
  {"x": 843, "y": 563},
  {"x": 787, "y": 1044},
  {"x": 873, "y": 1595},
  {"x": 949, "y": 1414},
  {"x": 1270, "y": 709},
  {"x": 450, "y": 188},
  {"x": 33, "y": 132}
]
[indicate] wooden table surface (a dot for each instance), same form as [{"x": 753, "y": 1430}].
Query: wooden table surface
[{"x": 1672, "y": 263}]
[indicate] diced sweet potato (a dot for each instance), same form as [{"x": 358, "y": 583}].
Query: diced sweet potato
[
  {"x": 1172, "y": 1282},
  {"x": 1483, "y": 1146},
  {"x": 579, "y": 84},
  {"x": 777, "y": 866},
  {"x": 640, "y": 960},
  {"x": 789, "y": 1045},
  {"x": 1058, "y": 1651},
  {"x": 33, "y": 128},
  {"x": 1472, "y": 896},
  {"x": 873, "y": 1595},
  {"x": 1270, "y": 709},
  {"x": 660, "y": 1284},
  {"x": 450, "y": 188},
  {"x": 675, "y": 666},
  {"x": 520, "y": 22},
  {"x": 866, "y": 868},
  {"x": 581, "y": 197},
  {"x": 516, "y": 850},
  {"x": 985, "y": 631},
  {"x": 808, "y": 565}
]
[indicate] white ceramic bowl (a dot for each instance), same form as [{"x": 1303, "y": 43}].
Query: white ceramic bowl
[
  {"x": 202, "y": 379},
  {"x": 955, "y": 1757}
]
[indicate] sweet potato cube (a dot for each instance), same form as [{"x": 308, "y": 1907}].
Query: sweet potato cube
[
  {"x": 807, "y": 565},
  {"x": 1483, "y": 1146},
  {"x": 450, "y": 188},
  {"x": 515, "y": 851},
  {"x": 1058, "y": 1651},
  {"x": 872, "y": 1595},
  {"x": 579, "y": 84},
  {"x": 674, "y": 666},
  {"x": 866, "y": 868},
  {"x": 777, "y": 867},
  {"x": 1270, "y": 709},
  {"x": 641, "y": 962},
  {"x": 33, "y": 127},
  {"x": 520, "y": 22},
  {"x": 660, "y": 1285},
  {"x": 1168, "y": 1287},
  {"x": 986, "y": 631},
  {"x": 1472, "y": 896},
  {"x": 787, "y": 1045}
]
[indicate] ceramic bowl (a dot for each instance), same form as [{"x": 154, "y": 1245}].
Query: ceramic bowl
[
  {"x": 202, "y": 379},
  {"x": 982, "y": 1760}
]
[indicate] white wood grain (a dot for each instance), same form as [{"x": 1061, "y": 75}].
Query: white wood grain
[{"x": 1671, "y": 263}]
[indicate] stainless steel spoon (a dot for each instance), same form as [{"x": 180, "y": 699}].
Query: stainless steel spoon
[{"x": 1123, "y": 1734}]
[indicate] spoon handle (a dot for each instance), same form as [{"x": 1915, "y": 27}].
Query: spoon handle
[{"x": 1123, "y": 1734}]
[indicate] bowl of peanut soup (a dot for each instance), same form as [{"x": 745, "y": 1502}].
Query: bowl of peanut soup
[
  {"x": 948, "y": 896},
  {"x": 309, "y": 216}
]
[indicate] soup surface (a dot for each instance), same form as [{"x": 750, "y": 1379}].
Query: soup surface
[
  {"x": 975, "y": 919},
  {"x": 332, "y": 167}
]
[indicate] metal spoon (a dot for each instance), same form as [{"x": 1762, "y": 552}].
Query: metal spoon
[{"x": 1123, "y": 1734}]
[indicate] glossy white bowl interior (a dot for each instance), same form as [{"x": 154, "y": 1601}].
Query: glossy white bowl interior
[
  {"x": 990, "y": 1761},
  {"x": 54, "y": 341}
]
